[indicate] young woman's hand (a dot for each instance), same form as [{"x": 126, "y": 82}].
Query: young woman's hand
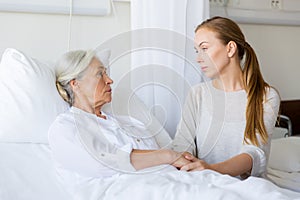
[
  {"x": 179, "y": 159},
  {"x": 234, "y": 166},
  {"x": 195, "y": 163}
]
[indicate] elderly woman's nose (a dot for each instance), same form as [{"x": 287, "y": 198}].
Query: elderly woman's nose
[{"x": 108, "y": 80}]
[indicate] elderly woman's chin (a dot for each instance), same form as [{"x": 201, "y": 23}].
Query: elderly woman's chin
[{"x": 109, "y": 98}]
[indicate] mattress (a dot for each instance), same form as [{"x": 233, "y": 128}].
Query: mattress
[{"x": 27, "y": 172}]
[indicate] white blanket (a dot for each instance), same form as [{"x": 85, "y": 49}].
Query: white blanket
[
  {"x": 182, "y": 185},
  {"x": 27, "y": 173}
]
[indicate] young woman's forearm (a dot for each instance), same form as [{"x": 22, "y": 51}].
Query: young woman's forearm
[{"x": 235, "y": 166}]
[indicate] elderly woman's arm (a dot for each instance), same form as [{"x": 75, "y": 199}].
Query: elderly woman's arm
[{"x": 141, "y": 159}]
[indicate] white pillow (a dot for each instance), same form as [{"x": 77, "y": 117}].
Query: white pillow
[
  {"x": 29, "y": 101},
  {"x": 285, "y": 154}
]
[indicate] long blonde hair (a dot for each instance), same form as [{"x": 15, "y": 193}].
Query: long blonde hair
[{"x": 255, "y": 86}]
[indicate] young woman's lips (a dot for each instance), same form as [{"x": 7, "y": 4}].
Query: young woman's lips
[{"x": 203, "y": 68}]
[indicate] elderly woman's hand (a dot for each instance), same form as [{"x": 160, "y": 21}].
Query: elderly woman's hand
[
  {"x": 179, "y": 159},
  {"x": 195, "y": 164}
]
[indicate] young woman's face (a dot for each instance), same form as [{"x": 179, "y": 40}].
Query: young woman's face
[
  {"x": 95, "y": 84},
  {"x": 212, "y": 53}
]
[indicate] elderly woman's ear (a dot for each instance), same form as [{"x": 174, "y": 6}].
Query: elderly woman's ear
[{"x": 74, "y": 84}]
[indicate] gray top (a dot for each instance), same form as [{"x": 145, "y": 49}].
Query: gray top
[{"x": 213, "y": 123}]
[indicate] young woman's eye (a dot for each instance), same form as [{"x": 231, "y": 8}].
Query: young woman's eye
[{"x": 202, "y": 50}]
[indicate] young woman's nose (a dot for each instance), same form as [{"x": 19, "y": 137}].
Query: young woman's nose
[{"x": 199, "y": 57}]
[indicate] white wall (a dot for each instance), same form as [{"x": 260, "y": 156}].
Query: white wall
[
  {"x": 46, "y": 37},
  {"x": 277, "y": 48}
]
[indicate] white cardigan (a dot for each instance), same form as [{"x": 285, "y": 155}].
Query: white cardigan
[{"x": 213, "y": 123}]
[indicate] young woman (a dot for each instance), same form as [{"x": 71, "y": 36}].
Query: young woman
[{"x": 227, "y": 122}]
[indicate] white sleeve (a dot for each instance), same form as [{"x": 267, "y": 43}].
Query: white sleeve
[
  {"x": 186, "y": 130},
  {"x": 260, "y": 154},
  {"x": 69, "y": 152}
]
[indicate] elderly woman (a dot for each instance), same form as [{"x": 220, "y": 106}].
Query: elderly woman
[{"x": 90, "y": 143}]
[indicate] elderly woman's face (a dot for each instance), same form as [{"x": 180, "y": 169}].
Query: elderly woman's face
[{"x": 95, "y": 84}]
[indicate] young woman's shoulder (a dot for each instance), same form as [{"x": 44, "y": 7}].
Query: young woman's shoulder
[
  {"x": 202, "y": 87},
  {"x": 272, "y": 94},
  {"x": 272, "y": 98}
]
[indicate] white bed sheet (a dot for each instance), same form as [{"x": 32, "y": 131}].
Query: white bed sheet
[{"x": 27, "y": 173}]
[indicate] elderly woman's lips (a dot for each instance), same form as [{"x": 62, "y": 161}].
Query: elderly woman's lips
[{"x": 108, "y": 90}]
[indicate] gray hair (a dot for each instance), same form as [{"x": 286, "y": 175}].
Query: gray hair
[{"x": 71, "y": 65}]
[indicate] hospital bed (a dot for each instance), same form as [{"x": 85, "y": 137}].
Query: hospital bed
[
  {"x": 29, "y": 103},
  {"x": 283, "y": 127}
]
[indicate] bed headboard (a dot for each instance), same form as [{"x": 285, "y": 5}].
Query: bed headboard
[{"x": 291, "y": 108}]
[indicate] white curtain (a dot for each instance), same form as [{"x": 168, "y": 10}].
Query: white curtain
[{"x": 163, "y": 56}]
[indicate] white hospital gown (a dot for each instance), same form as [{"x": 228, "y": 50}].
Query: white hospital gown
[{"x": 85, "y": 145}]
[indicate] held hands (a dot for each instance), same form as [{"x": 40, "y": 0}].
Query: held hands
[
  {"x": 178, "y": 160},
  {"x": 235, "y": 166},
  {"x": 188, "y": 162}
]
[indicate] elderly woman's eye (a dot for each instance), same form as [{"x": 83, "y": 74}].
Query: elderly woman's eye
[{"x": 100, "y": 74}]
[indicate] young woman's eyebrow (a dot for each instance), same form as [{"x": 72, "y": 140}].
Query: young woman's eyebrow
[{"x": 202, "y": 43}]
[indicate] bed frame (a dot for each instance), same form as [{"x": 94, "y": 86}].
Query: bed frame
[{"x": 291, "y": 109}]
